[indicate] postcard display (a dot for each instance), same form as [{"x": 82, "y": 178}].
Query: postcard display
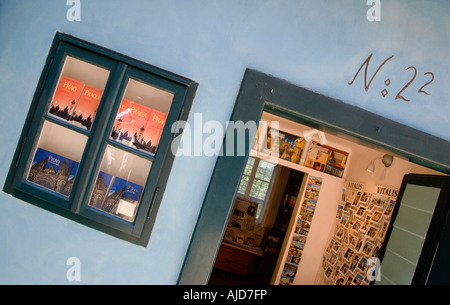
[
  {"x": 319, "y": 157},
  {"x": 294, "y": 255},
  {"x": 361, "y": 223}
]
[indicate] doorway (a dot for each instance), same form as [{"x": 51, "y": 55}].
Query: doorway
[
  {"x": 261, "y": 92},
  {"x": 304, "y": 209},
  {"x": 251, "y": 245}
]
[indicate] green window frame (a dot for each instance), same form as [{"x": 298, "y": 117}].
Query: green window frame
[{"x": 139, "y": 167}]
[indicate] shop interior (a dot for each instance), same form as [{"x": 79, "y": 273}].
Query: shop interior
[{"x": 274, "y": 191}]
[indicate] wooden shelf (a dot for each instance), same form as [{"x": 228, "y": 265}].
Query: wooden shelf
[{"x": 302, "y": 168}]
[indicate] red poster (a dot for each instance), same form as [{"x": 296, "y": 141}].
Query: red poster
[
  {"x": 87, "y": 106},
  {"x": 155, "y": 126},
  {"x": 66, "y": 97},
  {"x": 138, "y": 126}
]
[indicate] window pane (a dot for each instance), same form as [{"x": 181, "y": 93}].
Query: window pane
[
  {"x": 78, "y": 93},
  {"x": 243, "y": 184},
  {"x": 56, "y": 159},
  {"x": 141, "y": 116},
  {"x": 120, "y": 183},
  {"x": 264, "y": 170},
  {"x": 249, "y": 166},
  {"x": 259, "y": 189}
]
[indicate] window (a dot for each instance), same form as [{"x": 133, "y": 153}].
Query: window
[
  {"x": 255, "y": 183},
  {"x": 95, "y": 147}
]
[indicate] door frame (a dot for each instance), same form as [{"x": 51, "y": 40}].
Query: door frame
[
  {"x": 261, "y": 92},
  {"x": 437, "y": 223}
]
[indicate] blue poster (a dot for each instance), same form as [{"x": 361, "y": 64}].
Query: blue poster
[
  {"x": 129, "y": 189},
  {"x": 53, "y": 171}
]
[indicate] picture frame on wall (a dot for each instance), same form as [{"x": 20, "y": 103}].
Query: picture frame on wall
[
  {"x": 358, "y": 279},
  {"x": 368, "y": 248},
  {"x": 326, "y": 159},
  {"x": 336, "y": 162},
  {"x": 383, "y": 229},
  {"x": 284, "y": 145},
  {"x": 390, "y": 207},
  {"x": 372, "y": 232}
]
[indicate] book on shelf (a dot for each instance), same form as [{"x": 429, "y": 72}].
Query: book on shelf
[
  {"x": 326, "y": 159},
  {"x": 337, "y": 159},
  {"x": 53, "y": 171},
  {"x": 101, "y": 188},
  {"x": 138, "y": 126},
  {"x": 75, "y": 102},
  {"x": 317, "y": 157},
  {"x": 283, "y": 145},
  {"x": 290, "y": 147},
  {"x": 116, "y": 196},
  {"x": 85, "y": 110},
  {"x": 66, "y": 97}
]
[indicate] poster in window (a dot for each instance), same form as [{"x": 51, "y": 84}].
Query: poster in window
[
  {"x": 85, "y": 110},
  {"x": 122, "y": 198},
  {"x": 53, "y": 171},
  {"x": 101, "y": 188},
  {"x": 138, "y": 126},
  {"x": 65, "y": 98}
]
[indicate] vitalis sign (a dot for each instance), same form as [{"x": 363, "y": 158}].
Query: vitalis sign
[
  {"x": 358, "y": 186},
  {"x": 383, "y": 190}
]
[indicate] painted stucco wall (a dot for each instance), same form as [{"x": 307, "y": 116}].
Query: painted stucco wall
[{"x": 316, "y": 44}]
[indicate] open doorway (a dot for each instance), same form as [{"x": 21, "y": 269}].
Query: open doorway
[
  {"x": 261, "y": 92},
  {"x": 253, "y": 240},
  {"x": 336, "y": 184}
]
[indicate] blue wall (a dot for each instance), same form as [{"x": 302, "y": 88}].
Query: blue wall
[{"x": 316, "y": 44}]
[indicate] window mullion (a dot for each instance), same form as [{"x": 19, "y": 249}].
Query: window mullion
[
  {"x": 267, "y": 196},
  {"x": 251, "y": 177},
  {"x": 96, "y": 141},
  {"x": 249, "y": 186}
]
